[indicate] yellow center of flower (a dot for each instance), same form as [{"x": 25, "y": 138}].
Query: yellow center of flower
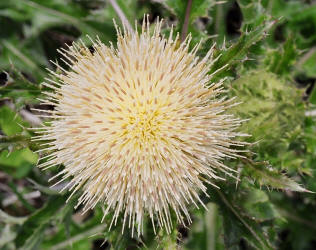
[{"x": 144, "y": 126}]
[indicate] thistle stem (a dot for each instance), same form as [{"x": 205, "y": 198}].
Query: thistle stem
[
  {"x": 121, "y": 15},
  {"x": 185, "y": 26}
]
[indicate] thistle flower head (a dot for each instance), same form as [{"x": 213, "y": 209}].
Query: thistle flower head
[{"x": 140, "y": 127}]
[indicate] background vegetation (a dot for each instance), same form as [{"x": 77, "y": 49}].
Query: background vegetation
[{"x": 270, "y": 49}]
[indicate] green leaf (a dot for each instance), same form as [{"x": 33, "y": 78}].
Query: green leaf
[
  {"x": 252, "y": 11},
  {"x": 44, "y": 189},
  {"x": 237, "y": 224},
  {"x": 80, "y": 240},
  {"x": 52, "y": 13},
  {"x": 18, "y": 163},
  {"x": 307, "y": 63},
  {"x": 28, "y": 54},
  {"x": 16, "y": 142},
  {"x": 19, "y": 89},
  {"x": 298, "y": 220},
  {"x": 199, "y": 8},
  {"x": 281, "y": 60},
  {"x": 69, "y": 233},
  {"x": 10, "y": 121},
  {"x": 16, "y": 52},
  {"x": 20, "y": 197},
  {"x": 270, "y": 102},
  {"x": 231, "y": 56},
  {"x": 264, "y": 174},
  {"x": 31, "y": 232},
  {"x": 256, "y": 202}
]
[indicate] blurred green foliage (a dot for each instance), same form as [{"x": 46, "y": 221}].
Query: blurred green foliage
[{"x": 267, "y": 53}]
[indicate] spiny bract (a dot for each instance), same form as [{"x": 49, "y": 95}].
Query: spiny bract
[{"x": 139, "y": 127}]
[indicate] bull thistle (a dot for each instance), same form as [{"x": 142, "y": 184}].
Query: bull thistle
[{"x": 139, "y": 127}]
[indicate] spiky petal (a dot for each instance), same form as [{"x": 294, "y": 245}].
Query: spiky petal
[{"x": 139, "y": 127}]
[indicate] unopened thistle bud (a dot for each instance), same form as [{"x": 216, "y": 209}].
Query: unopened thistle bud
[{"x": 140, "y": 127}]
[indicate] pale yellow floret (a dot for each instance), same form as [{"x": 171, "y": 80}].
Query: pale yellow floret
[{"x": 139, "y": 127}]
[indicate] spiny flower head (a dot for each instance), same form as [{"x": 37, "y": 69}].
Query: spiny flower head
[{"x": 140, "y": 127}]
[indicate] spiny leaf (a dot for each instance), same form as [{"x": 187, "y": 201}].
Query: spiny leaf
[
  {"x": 281, "y": 60},
  {"x": 264, "y": 174},
  {"x": 238, "y": 51},
  {"x": 10, "y": 121},
  {"x": 252, "y": 11},
  {"x": 268, "y": 101}
]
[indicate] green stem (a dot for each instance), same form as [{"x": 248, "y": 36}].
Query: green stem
[
  {"x": 25, "y": 203},
  {"x": 84, "y": 235},
  {"x": 185, "y": 26}
]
